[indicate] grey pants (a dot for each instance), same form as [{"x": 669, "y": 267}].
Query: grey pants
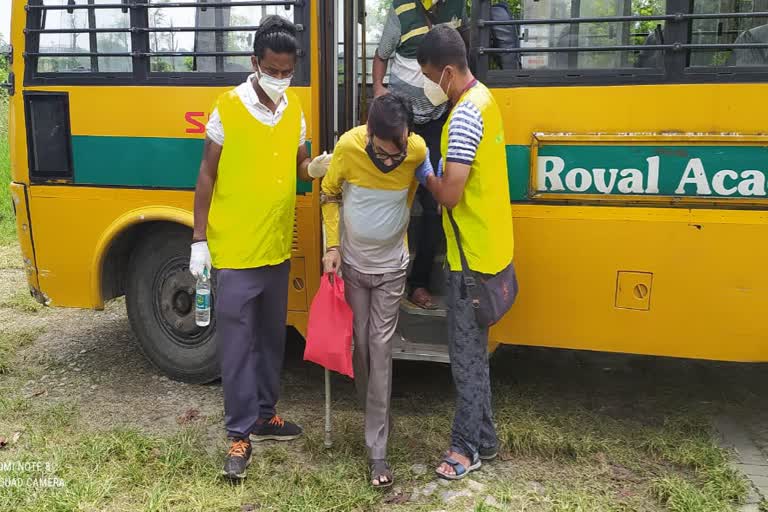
[
  {"x": 375, "y": 302},
  {"x": 251, "y": 311},
  {"x": 468, "y": 349}
]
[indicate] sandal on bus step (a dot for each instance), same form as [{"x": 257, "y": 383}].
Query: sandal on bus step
[
  {"x": 459, "y": 468},
  {"x": 421, "y": 298},
  {"x": 380, "y": 469}
]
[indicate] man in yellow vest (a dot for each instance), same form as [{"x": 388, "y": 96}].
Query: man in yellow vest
[
  {"x": 473, "y": 184},
  {"x": 372, "y": 177},
  {"x": 244, "y": 214}
]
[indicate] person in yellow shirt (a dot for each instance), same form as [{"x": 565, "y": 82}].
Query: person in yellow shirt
[
  {"x": 372, "y": 176},
  {"x": 244, "y": 213},
  {"x": 473, "y": 186}
]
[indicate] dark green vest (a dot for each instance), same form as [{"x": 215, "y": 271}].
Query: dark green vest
[{"x": 414, "y": 24}]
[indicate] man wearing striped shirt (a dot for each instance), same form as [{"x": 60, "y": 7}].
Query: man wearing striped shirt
[
  {"x": 406, "y": 25},
  {"x": 473, "y": 185}
]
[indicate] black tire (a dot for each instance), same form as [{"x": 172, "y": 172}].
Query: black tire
[{"x": 160, "y": 304}]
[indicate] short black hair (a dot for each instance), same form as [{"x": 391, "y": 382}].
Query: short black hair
[
  {"x": 277, "y": 34},
  {"x": 443, "y": 46},
  {"x": 388, "y": 115}
]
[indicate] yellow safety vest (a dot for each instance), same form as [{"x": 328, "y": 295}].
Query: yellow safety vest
[
  {"x": 250, "y": 223},
  {"x": 484, "y": 213}
]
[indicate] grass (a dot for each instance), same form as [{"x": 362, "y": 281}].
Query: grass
[
  {"x": 7, "y": 219},
  {"x": 123, "y": 469},
  {"x": 10, "y": 343},
  {"x": 10, "y": 256},
  {"x": 21, "y": 301},
  {"x": 558, "y": 455}
]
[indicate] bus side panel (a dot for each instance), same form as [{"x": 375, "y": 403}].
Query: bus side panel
[
  {"x": 24, "y": 233},
  {"x": 637, "y": 275},
  {"x": 707, "y": 292},
  {"x": 64, "y": 214}
]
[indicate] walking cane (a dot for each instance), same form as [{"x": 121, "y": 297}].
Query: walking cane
[{"x": 328, "y": 441}]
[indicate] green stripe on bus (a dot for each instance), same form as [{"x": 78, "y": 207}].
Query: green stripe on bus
[
  {"x": 136, "y": 161},
  {"x": 165, "y": 162},
  {"x": 145, "y": 162},
  {"x": 711, "y": 171},
  {"x": 518, "y": 168}
]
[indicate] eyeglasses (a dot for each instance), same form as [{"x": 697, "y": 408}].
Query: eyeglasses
[{"x": 383, "y": 155}]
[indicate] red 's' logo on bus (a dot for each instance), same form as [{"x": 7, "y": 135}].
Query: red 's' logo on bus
[{"x": 194, "y": 124}]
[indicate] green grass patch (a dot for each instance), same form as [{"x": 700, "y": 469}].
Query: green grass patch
[
  {"x": 7, "y": 219},
  {"x": 10, "y": 256},
  {"x": 10, "y": 343},
  {"x": 123, "y": 469},
  {"x": 561, "y": 451},
  {"x": 671, "y": 457},
  {"x": 21, "y": 301},
  {"x": 681, "y": 495}
]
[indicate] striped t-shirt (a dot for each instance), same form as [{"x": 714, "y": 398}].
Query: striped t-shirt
[{"x": 464, "y": 133}]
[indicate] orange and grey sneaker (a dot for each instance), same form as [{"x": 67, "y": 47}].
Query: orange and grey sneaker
[
  {"x": 276, "y": 429},
  {"x": 237, "y": 460}
]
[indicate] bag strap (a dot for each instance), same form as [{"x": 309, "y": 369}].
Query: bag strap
[
  {"x": 428, "y": 15},
  {"x": 467, "y": 277}
]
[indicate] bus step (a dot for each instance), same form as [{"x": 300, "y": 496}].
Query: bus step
[{"x": 410, "y": 351}]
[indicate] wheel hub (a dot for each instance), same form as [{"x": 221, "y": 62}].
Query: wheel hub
[{"x": 175, "y": 304}]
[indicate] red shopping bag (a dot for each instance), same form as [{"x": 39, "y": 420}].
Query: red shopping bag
[{"x": 329, "y": 333}]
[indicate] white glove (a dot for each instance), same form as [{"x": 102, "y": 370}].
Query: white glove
[
  {"x": 319, "y": 165},
  {"x": 200, "y": 260}
]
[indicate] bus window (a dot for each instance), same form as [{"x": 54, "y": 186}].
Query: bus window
[
  {"x": 67, "y": 33},
  {"x": 581, "y": 42},
  {"x": 224, "y": 30},
  {"x": 131, "y": 42},
  {"x": 590, "y": 42},
  {"x": 728, "y": 31}
]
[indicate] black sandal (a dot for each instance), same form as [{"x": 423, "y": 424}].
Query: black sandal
[{"x": 380, "y": 469}]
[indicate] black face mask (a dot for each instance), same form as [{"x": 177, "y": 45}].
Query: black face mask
[{"x": 380, "y": 165}]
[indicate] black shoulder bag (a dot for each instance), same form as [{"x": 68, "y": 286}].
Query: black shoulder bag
[{"x": 492, "y": 294}]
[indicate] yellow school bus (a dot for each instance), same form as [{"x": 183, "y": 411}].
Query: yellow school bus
[{"x": 636, "y": 142}]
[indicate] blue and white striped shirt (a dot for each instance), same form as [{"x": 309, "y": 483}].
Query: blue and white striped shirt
[{"x": 464, "y": 133}]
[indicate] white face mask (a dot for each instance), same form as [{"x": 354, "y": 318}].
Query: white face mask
[
  {"x": 434, "y": 92},
  {"x": 273, "y": 87}
]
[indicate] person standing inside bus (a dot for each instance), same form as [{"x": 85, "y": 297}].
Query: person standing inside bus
[
  {"x": 244, "y": 215},
  {"x": 372, "y": 177},
  {"x": 407, "y": 23},
  {"x": 473, "y": 184}
]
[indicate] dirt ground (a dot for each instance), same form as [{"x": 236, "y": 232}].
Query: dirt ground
[{"x": 573, "y": 407}]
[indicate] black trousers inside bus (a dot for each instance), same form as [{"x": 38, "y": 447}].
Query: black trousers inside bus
[{"x": 429, "y": 236}]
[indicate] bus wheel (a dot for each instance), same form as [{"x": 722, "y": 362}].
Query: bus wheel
[{"x": 160, "y": 299}]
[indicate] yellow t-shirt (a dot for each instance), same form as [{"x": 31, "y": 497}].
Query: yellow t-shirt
[
  {"x": 376, "y": 204},
  {"x": 250, "y": 223},
  {"x": 484, "y": 213}
]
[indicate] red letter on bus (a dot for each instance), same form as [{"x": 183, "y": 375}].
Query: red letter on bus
[{"x": 198, "y": 126}]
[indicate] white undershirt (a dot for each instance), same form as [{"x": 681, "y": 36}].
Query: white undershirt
[{"x": 214, "y": 130}]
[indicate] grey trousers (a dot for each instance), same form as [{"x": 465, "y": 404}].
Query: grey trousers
[
  {"x": 468, "y": 349},
  {"x": 375, "y": 303},
  {"x": 251, "y": 311}
]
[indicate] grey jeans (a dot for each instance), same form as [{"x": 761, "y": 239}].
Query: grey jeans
[
  {"x": 375, "y": 303},
  {"x": 468, "y": 349}
]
